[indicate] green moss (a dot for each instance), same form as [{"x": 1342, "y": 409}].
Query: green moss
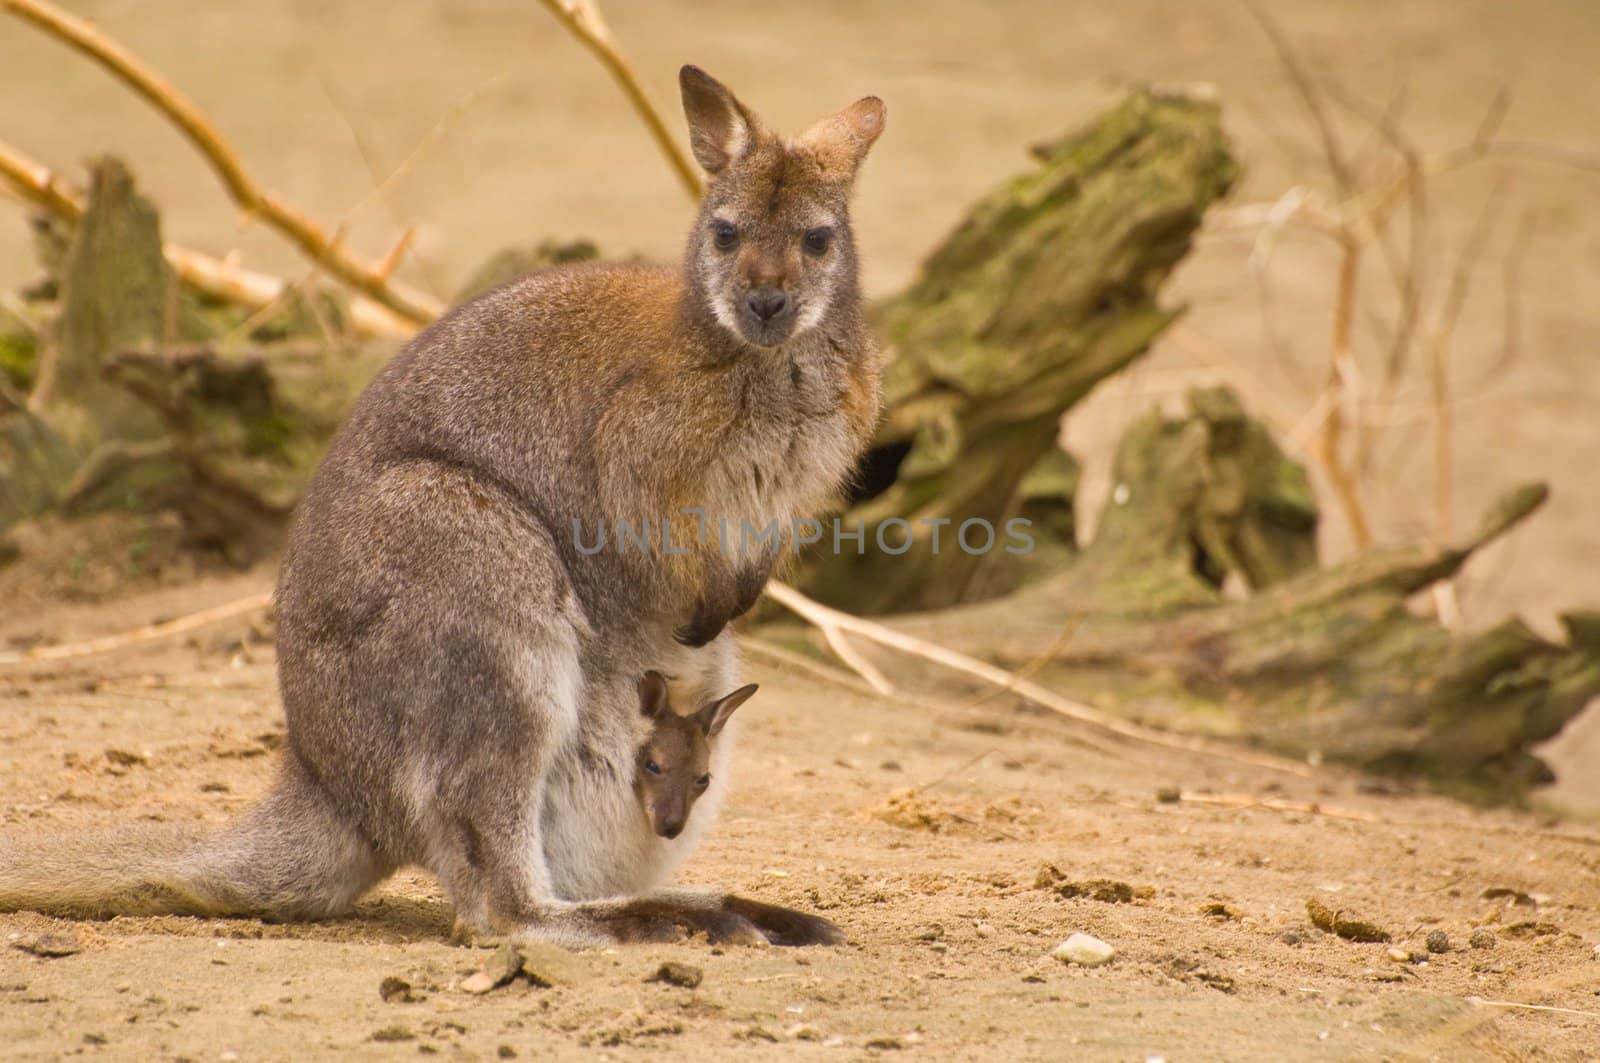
[{"x": 18, "y": 354}]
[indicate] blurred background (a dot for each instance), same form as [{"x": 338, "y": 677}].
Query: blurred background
[{"x": 506, "y": 130}]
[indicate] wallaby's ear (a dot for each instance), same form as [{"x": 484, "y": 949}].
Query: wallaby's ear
[
  {"x": 720, "y": 127},
  {"x": 715, "y": 715},
  {"x": 653, "y": 695},
  {"x": 841, "y": 141}
]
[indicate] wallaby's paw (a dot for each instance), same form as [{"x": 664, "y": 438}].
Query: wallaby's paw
[
  {"x": 656, "y": 922},
  {"x": 785, "y": 926},
  {"x": 463, "y": 934},
  {"x": 697, "y": 633}
]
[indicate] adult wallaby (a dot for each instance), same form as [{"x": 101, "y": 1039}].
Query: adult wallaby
[{"x": 458, "y": 663}]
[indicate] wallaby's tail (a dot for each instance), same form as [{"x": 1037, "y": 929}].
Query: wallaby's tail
[{"x": 291, "y": 857}]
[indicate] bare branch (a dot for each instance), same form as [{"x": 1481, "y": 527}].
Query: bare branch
[
  {"x": 416, "y": 307},
  {"x": 205, "y": 273},
  {"x": 824, "y": 617},
  {"x": 583, "y": 18},
  {"x": 1443, "y": 332},
  {"x": 150, "y": 632},
  {"x": 1306, "y": 88},
  {"x": 1341, "y": 366}
]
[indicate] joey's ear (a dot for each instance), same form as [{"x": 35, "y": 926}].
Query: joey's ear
[
  {"x": 653, "y": 695},
  {"x": 841, "y": 141},
  {"x": 720, "y": 127},
  {"x": 715, "y": 715}
]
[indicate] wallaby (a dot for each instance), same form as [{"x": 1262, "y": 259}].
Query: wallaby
[
  {"x": 458, "y": 665},
  {"x": 674, "y": 763}
]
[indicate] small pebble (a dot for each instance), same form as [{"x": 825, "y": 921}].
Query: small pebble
[
  {"x": 547, "y": 966},
  {"x": 1438, "y": 941},
  {"x": 1084, "y": 950},
  {"x": 683, "y": 975},
  {"x": 1482, "y": 938},
  {"x": 1291, "y": 937},
  {"x": 396, "y": 990},
  {"x": 1399, "y": 955},
  {"x": 504, "y": 964},
  {"x": 984, "y": 930},
  {"x": 391, "y": 1034},
  {"x": 506, "y": 1052},
  {"x": 51, "y": 946},
  {"x": 801, "y": 1032},
  {"x": 1169, "y": 795}
]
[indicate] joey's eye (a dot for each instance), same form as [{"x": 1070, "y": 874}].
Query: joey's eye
[
  {"x": 817, "y": 241},
  {"x": 725, "y": 235},
  {"x": 702, "y": 782},
  {"x": 652, "y": 767}
]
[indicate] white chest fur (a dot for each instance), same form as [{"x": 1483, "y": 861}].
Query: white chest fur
[
  {"x": 791, "y": 451},
  {"x": 597, "y": 838}
]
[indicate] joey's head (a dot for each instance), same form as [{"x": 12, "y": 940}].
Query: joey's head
[
  {"x": 674, "y": 763},
  {"x": 771, "y": 253}
]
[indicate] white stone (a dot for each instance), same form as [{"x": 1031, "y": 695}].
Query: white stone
[{"x": 1084, "y": 950}]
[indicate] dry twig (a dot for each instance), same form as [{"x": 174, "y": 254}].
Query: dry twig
[
  {"x": 211, "y": 276},
  {"x": 824, "y": 616},
  {"x": 414, "y": 306},
  {"x": 583, "y": 18},
  {"x": 148, "y": 633}
]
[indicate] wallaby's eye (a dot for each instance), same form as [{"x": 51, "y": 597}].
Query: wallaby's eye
[
  {"x": 702, "y": 782},
  {"x": 652, "y": 767},
  {"x": 817, "y": 241},
  {"x": 725, "y": 235}
]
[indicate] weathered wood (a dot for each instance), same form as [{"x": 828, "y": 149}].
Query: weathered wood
[
  {"x": 1047, "y": 288},
  {"x": 135, "y": 414},
  {"x": 1316, "y": 662},
  {"x": 117, "y": 293}
]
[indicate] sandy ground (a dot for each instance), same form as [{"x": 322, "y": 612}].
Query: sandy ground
[
  {"x": 949, "y": 934},
  {"x": 950, "y": 939}
]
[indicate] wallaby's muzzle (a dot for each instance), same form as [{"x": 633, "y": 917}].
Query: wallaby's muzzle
[
  {"x": 766, "y": 317},
  {"x": 668, "y": 824}
]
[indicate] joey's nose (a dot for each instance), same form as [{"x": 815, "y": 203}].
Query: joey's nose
[{"x": 767, "y": 303}]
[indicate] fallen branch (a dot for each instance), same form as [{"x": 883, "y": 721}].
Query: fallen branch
[
  {"x": 414, "y": 306},
  {"x": 1482, "y": 1003},
  {"x": 583, "y": 18},
  {"x": 148, "y": 633},
  {"x": 825, "y": 618},
  {"x": 211, "y": 276},
  {"x": 1245, "y": 802},
  {"x": 827, "y": 673}
]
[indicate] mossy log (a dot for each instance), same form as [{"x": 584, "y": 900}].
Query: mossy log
[
  {"x": 1316, "y": 662},
  {"x": 1047, "y": 288},
  {"x": 136, "y": 414}
]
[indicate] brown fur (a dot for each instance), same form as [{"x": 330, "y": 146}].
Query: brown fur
[{"x": 673, "y": 767}]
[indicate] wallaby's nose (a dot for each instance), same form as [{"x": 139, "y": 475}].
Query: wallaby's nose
[
  {"x": 766, "y": 303},
  {"x": 671, "y": 828}
]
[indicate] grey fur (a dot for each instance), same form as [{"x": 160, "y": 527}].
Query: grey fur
[{"x": 459, "y": 678}]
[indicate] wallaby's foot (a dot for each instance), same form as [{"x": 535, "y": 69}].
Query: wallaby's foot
[
  {"x": 785, "y": 926},
  {"x": 657, "y": 921}
]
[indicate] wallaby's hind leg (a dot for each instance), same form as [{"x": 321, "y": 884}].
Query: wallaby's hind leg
[
  {"x": 293, "y": 856},
  {"x": 490, "y": 858}
]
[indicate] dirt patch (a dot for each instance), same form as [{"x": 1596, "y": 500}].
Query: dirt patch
[
  {"x": 951, "y": 935},
  {"x": 109, "y": 554}
]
